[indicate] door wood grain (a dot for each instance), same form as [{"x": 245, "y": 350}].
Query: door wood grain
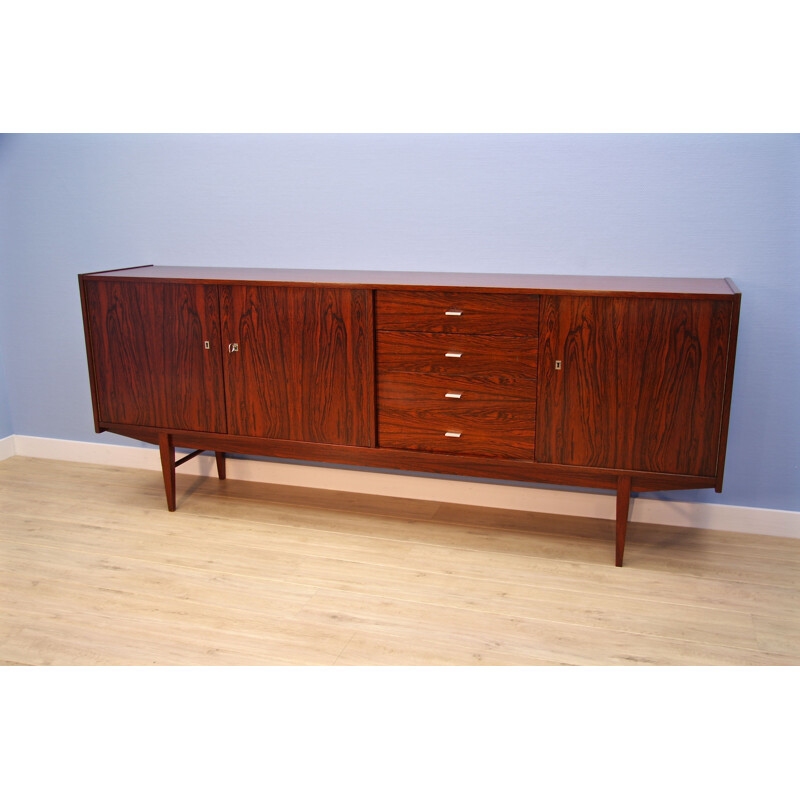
[
  {"x": 303, "y": 369},
  {"x": 151, "y": 363},
  {"x": 640, "y": 385}
]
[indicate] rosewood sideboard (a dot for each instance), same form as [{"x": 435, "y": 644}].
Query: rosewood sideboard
[{"x": 606, "y": 382}]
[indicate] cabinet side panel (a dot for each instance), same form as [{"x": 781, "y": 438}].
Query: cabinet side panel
[
  {"x": 83, "y": 283},
  {"x": 726, "y": 405}
]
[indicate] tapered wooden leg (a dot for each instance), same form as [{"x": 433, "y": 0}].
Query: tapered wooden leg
[
  {"x": 623, "y": 504},
  {"x": 167, "y": 449},
  {"x": 220, "y": 464}
]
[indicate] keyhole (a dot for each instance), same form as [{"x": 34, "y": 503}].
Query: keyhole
[{"x": 558, "y": 365}]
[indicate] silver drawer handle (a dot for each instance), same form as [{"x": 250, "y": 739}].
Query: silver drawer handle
[
  {"x": 453, "y": 355},
  {"x": 453, "y": 395},
  {"x": 453, "y": 434},
  {"x": 453, "y": 313}
]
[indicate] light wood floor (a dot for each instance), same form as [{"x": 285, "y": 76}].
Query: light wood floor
[{"x": 94, "y": 570}]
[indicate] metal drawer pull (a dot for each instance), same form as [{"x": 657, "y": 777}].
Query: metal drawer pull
[
  {"x": 453, "y": 355},
  {"x": 453, "y": 313},
  {"x": 233, "y": 347},
  {"x": 453, "y": 395},
  {"x": 453, "y": 434}
]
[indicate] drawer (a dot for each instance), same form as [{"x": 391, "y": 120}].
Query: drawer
[
  {"x": 493, "y": 418},
  {"x": 511, "y": 437},
  {"x": 457, "y": 355},
  {"x": 454, "y": 391},
  {"x": 457, "y": 312}
]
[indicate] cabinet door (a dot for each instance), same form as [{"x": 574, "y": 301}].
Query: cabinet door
[
  {"x": 299, "y": 363},
  {"x": 151, "y": 363},
  {"x": 640, "y": 384}
]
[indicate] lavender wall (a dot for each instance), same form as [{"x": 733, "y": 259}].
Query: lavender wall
[
  {"x": 6, "y": 426},
  {"x": 683, "y": 205}
]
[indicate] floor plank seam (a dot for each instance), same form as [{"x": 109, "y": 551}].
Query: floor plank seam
[{"x": 532, "y": 583}]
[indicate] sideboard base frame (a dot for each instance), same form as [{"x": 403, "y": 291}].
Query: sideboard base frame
[{"x": 623, "y": 483}]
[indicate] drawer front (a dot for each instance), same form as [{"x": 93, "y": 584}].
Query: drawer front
[
  {"x": 511, "y": 437},
  {"x": 457, "y": 355},
  {"x": 457, "y": 312},
  {"x": 492, "y": 419},
  {"x": 454, "y": 391}
]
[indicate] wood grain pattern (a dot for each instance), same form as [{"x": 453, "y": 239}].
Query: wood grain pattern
[
  {"x": 151, "y": 366},
  {"x": 303, "y": 370},
  {"x": 733, "y": 336},
  {"x": 642, "y": 383},
  {"x": 414, "y": 412},
  {"x": 577, "y": 404},
  {"x": 498, "y": 314},
  {"x": 485, "y": 357},
  {"x": 496, "y": 433},
  {"x": 673, "y": 366},
  {"x": 424, "y": 389}
]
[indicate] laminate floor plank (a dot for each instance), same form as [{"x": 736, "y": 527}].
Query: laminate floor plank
[
  {"x": 741, "y": 583},
  {"x": 84, "y": 639},
  {"x": 664, "y": 537},
  {"x": 321, "y": 558},
  {"x": 211, "y": 502},
  {"x": 275, "y": 583},
  {"x": 777, "y": 635},
  {"x": 378, "y": 648},
  {"x": 94, "y": 570}
]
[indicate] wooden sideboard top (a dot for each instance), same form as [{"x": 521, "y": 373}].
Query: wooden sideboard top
[{"x": 377, "y": 279}]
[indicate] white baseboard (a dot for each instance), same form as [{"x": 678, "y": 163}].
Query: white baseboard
[
  {"x": 7, "y": 447},
  {"x": 712, "y": 516}
]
